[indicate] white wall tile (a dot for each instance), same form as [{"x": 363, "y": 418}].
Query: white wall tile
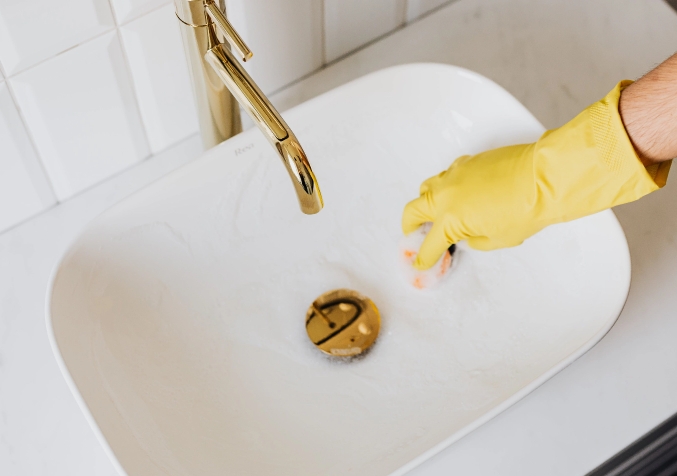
[
  {"x": 285, "y": 36},
  {"x": 416, "y": 8},
  {"x": 126, "y": 10},
  {"x": 34, "y": 30},
  {"x": 24, "y": 190},
  {"x": 82, "y": 114},
  {"x": 161, "y": 78},
  {"x": 351, "y": 23}
]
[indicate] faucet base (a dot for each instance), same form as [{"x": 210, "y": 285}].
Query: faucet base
[{"x": 218, "y": 111}]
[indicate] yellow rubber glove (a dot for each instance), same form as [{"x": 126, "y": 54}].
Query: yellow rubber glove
[{"x": 501, "y": 197}]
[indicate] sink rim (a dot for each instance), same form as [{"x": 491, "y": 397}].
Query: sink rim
[
  {"x": 515, "y": 397},
  {"x": 533, "y": 385}
]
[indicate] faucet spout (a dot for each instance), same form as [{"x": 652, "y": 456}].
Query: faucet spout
[
  {"x": 203, "y": 24},
  {"x": 302, "y": 176},
  {"x": 269, "y": 121}
]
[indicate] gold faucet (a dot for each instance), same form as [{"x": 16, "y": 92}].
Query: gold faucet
[{"x": 220, "y": 82}]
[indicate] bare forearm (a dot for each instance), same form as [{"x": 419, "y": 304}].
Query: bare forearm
[{"x": 648, "y": 108}]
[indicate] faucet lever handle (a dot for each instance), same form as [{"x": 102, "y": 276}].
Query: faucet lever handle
[{"x": 227, "y": 30}]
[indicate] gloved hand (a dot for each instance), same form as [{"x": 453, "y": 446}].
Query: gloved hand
[{"x": 499, "y": 198}]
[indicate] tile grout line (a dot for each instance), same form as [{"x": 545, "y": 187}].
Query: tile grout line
[
  {"x": 34, "y": 146},
  {"x": 117, "y": 29},
  {"x": 29, "y": 218},
  {"x": 128, "y": 65},
  {"x": 130, "y": 77},
  {"x": 29, "y": 132},
  {"x": 51, "y": 190},
  {"x": 405, "y": 9},
  {"x": 137, "y": 103},
  {"x": 362, "y": 47},
  {"x": 143, "y": 14},
  {"x": 43, "y": 61},
  {"x": 323, "y": 33},
  {"x": 112, "y": 13},
  {"x": 431, "y": 11},
  {"x": 114, "y": 27},
  {"x": 99, "y": 183}
]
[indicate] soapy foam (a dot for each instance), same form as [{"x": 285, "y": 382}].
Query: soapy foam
[{"x": 409, "y": 248}]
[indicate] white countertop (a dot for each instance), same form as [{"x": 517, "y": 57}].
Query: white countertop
[{"x": 555, "y": 57}]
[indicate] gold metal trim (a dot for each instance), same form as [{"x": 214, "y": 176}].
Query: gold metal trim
[
  {"x": 218, "y": 111},
  {"x": 220, "y": 83},
  {"x": 191, "y": 12},
  {"x": 228, "y": 31},
  {"x": 247, "y": 93},
  {"x": 189, "y": 24},
  {"x": 343, "y": 323}
]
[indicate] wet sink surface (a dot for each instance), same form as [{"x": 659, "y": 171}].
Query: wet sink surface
[{"x": 178, "y": 316}]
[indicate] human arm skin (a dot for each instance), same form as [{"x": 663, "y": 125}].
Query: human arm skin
[{"x": 648, "y": 109}]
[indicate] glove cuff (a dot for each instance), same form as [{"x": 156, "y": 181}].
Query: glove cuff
[{"x": 616, "y": 150}]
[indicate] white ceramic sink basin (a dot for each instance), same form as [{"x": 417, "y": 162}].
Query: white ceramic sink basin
[{"x": 178, "y": 316}]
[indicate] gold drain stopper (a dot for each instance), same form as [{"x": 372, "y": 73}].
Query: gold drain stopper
[{"x": 343, "y": 323}]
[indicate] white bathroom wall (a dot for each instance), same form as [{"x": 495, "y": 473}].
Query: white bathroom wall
[
  {"x": 24, "y": 190},
  {"x": 89, "y": 88},
  {"x": 157, "y": 65},
  {"x": 93, "y": 87},
  {"x": 418, "y": 8},
  {"x": 80, "y": 109},
  {"x": 351, "y": 23},
  {"x": 285, "y": 36}
]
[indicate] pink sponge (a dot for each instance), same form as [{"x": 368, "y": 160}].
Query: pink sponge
[{"x": 409, "y": 246}]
